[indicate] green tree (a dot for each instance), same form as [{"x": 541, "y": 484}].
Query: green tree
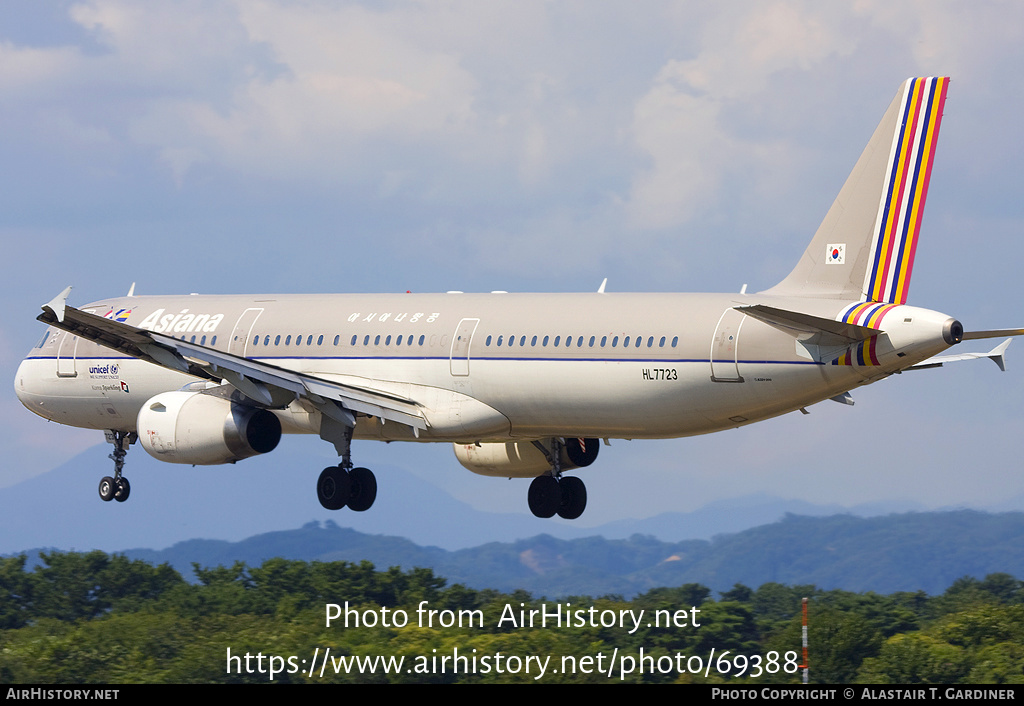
[{"x": 915, "y": 659}]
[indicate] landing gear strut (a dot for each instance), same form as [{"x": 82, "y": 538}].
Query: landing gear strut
[
  {"x": 551, "y": 493},
  {"x": 117, "y": 488},
  {"x": 344, "y": 485}
]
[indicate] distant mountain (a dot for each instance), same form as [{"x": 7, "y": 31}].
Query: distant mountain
[
  {"x": 907, "y": 552},
  {"x": 172, "y": 503},
  {"x": 248, "y": 512}
]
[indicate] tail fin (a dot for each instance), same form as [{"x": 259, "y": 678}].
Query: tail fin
[{"x": 864, "y": 249}]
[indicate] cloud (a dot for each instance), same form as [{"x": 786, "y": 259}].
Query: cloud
[{"x": 685, "y": 123}]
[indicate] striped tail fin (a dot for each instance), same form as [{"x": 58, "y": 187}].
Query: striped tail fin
[
  {"x": 902, "y": 204},
  {"x": 864, "y": 249}
]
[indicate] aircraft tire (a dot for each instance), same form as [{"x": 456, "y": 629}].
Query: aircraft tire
[
  {"x": 582, "y": 452},
  {"x": 122, "y": 489},
  {"x": 333, "y": 488},
  {"x": 107, "y": 489},
  {"x": 574, "y": 497},
  {"x": 363, "y": 489},
  {"x": 544, "y": 496}
]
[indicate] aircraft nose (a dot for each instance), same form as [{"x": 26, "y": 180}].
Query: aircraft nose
[
  {"x": 23, "y": 386},
  {"x": 29, "y": 388},
  {"x": 19, "y": 385}
]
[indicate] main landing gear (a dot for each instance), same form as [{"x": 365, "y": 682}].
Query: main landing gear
[
  {"x": 343, "y": 485},
  {"x": 338, "y": 487},
  {"x": 117, "y": 488},
  {"x": 552, "y": 493},
  {"x": 566, "y": 497}
]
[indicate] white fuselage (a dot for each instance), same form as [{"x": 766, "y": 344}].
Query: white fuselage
[{"x": 487, "y": 367}]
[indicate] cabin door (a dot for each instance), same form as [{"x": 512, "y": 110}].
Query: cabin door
[
  {"x": 725, "y": 346},
  {"x": 460, "y": 346}
]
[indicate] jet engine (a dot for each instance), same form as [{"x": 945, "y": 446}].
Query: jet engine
[
  {"x": 522, "y": 459},
  {"x": 205, "y": 430}
]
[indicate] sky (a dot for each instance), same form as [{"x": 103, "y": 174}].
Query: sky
[{"x": 285, "y": 146}]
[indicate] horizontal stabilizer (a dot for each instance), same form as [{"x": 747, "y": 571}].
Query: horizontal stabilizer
[
  {"x": 994, "y": 333},
  {"x": 797, "y": 322}
]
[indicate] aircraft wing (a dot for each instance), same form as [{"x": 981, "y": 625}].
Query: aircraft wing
[
  {"x": 996, "y": 355},
  {"x": 265, "y": 384}
]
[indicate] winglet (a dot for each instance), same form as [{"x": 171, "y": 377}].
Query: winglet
[
  {"x": 997, "y": 353},
  {"x": 57, "y": 304}
]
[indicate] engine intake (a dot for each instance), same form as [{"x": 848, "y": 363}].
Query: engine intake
[{"x": 204, "y": 430}]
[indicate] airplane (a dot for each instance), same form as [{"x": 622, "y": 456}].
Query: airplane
[{"x": 522, "y": 385}]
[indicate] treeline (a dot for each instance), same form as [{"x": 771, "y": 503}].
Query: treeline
[{"x": 81, "y": 618}]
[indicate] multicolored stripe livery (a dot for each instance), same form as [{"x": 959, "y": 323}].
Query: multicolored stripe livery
[
  {"x": 861, "y": 354},
  {"x": 902, "y": 203},
  {"x": 868, "y": 314}
]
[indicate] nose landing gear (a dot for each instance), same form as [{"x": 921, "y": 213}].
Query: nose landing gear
[{"x": 117, "y": 487}]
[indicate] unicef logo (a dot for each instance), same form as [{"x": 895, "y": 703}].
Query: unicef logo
[{"x": 113, "y": 368}]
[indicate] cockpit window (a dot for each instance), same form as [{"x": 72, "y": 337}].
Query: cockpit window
[{"x": 42, "y": 341}]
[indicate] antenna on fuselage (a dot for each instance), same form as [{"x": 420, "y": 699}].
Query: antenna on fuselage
[
  {"x": 600, "y": 290},
  {"x": 131, "y": 290}
]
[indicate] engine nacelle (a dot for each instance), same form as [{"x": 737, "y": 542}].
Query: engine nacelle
[
  {"x": 521, "y": 459},
  {"x": 204, "y": 430}
]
